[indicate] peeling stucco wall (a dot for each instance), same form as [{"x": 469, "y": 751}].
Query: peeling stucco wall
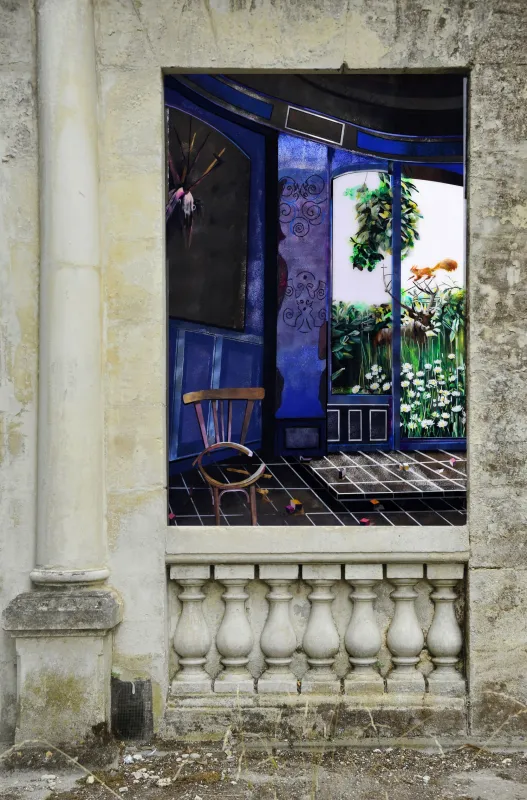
[
  {"x": 136, "y": 40},
  {"x": 18, "y": 323}
]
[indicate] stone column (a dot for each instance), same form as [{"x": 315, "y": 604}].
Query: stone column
[
  {"x": 192, "y": 639},
  {"x": 64, "y": 655},
  {"x": 363, "y": 637},
  {"x": 234, "y": 639},
  {"x": 70, "y": 530},
  {"x": 444, "y": 639},
  {"x": 321, "y": 639},
  {"x": 405, "y": 638},
  {"x": 278, "y": 640}
]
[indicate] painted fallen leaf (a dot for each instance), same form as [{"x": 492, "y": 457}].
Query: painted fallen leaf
[
  {"x": 365, "y": 521},
  {"x": 171, "y": 515},
  {"x": 374, "y": 502},
  {"x": 404, "y": 467},
  {"x": 452, "y": 461},
  {"x": 239, "y": 471},
  {"x": 439, "y": 471},
  {"x": 263, "y": 492}
]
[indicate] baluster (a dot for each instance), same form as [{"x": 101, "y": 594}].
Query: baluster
[
  {"x": 363, "y": 638},
  {"x": 234, "y": 639},
  {"x": 444, "y": 639},
  {"x": 192, "y": 639},
  {"x": 278, "y": 640},
  {"x": 321, "y": 639},
  {"x": 405, "y": 638}
]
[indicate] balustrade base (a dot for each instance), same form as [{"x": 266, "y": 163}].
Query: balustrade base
[
  {"x": 278, "y": 685},
  {"x": 300, "y": 718},
  {"x": 406, "y": 682},
  {"x": 447, "y": 685},
  {"x": 187, "y": 687},
  {"x": 364, "y": 684},
  {"x": 233, "y": 686}
]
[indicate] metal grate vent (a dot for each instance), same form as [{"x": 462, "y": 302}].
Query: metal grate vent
[{"x": 132, "y": 716}]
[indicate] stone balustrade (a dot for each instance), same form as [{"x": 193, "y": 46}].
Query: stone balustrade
[{"x": 357, "y": 629}]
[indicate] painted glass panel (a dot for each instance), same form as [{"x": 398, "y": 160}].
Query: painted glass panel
[
  {"x": 361, "y": 314},
  {"x": 433, "y": 314}
]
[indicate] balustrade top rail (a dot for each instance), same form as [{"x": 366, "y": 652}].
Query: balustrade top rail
[{"x": 239, "y": 545}]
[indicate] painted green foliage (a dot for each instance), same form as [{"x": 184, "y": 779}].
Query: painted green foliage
[{"x": 374, "y": 210}]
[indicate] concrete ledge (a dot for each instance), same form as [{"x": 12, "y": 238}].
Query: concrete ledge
[
  {"x": 62, "y": 611},
  {"x": 308, "y": 545},
  {"x": 304, "y": 718}
]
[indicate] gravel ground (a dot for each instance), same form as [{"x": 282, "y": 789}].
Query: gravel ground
[{"x": 202, "y": 772}]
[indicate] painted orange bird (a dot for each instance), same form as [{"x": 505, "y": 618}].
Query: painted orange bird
[{"x": 448, "y": 264}]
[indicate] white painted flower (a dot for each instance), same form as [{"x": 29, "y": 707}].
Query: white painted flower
[
  {"x": 442, "y": 423},
  {"x": 410, "y": 375},
  {"x": 420, "y": 374},
  {"x": 415, "y": 417},
  {"x": 452, "y": 377},
  {"x": 418, "y": 382},
  {"x": 405, "y": 408},
  {"x": 451, "y": 355},
  {"x": 368, "y": 376},
  {"x": 405, "y": 384},
  {"x": 383, "y": 377},
  {"x": 375, "y": 368},
  {"x": 437, "y": 360},
  {"x": 411, "y": 394},
  {"x": 429, "y": 334},
  {"x": 434, "y": 414},
  {"x": 405, "y": 367},
  {"x": 437, "y": 370},
  {"x": 432, "y": 382},
  {"x": 456, "y": 394},
  {"x": 386, "y": 386},
  {"x": 412, "y": 426},
  {"x": 355, "y": 389},
  {"x": 428, "y": 366},
  {"x": 445, "y": 416},
  {"x": 427, "y": 396},
  {"x": 420, "y": 388},
  {"x": 457, "y": 409},
  {"x": 441, "y": 383},
  {"x": 461, "y": 367},
  {"x": 427, "y": 423},
  {"x": 374, "y": 386}
]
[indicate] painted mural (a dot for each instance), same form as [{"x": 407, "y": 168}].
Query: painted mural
[
  {"x": 433, "y": 401},
  {"x": 361, "y": 310}
]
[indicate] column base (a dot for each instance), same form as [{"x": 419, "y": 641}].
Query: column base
[
  {"x": 190, "y": 686},
  {"x": 406, "y": 682},
  {"x": 447, "y": 684},
  {"x": 357, "y": 683},
  {"x": 234, "y": 683},
  {"x": 277, "y": 683},
  {"x": 324, "y": 682},
  {"x": 64, "y": 658}
]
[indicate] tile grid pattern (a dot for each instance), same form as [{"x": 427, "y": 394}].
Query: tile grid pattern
[
  {"x": 366, "y": 474},
  {"x": 191, "y": 503}
]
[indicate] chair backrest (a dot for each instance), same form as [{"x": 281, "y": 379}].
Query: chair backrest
[{"x": 218, "y": 398}]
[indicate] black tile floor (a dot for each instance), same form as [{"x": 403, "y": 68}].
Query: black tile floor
[
  {"x": 190, "y": 501},
  {"x": 391, "y": 474}
]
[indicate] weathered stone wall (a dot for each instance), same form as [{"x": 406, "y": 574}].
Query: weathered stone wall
[
  {"x": 18, "y": 323},
  {"x": 135, "y": 42}
]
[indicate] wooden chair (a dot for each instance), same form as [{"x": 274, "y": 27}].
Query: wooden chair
[{"x": 223, "y": 439}]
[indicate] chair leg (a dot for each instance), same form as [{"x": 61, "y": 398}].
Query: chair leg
[
  {"x": 252, "y": 492},
  {"x": 216, "y": 493}
]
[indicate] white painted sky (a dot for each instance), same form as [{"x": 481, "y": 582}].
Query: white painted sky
[{"x": 441, "y": 233}]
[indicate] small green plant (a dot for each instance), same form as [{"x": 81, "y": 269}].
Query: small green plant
[{"x": 361, "y": 358}]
